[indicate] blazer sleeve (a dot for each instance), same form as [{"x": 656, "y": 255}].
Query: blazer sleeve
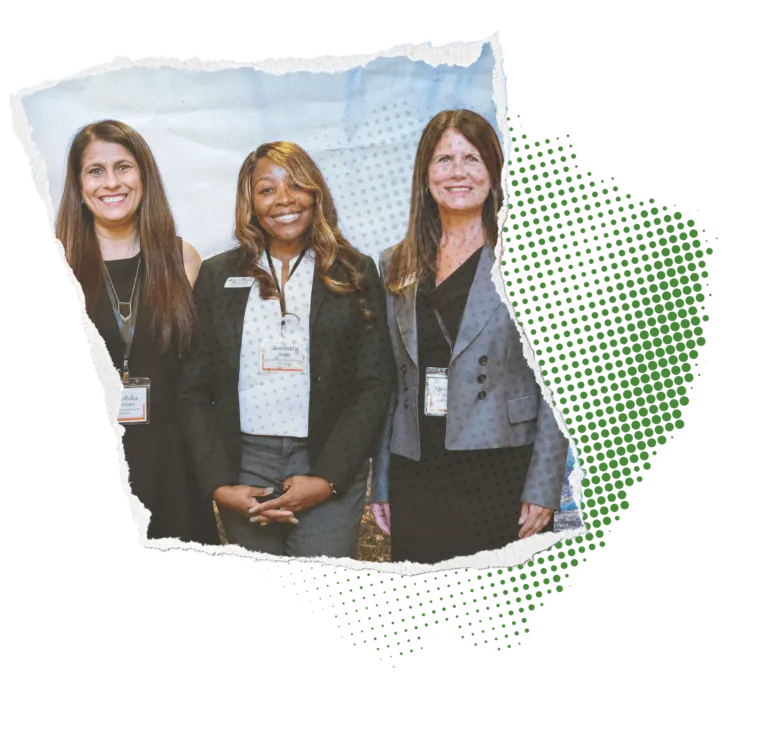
[
  {"x": 380, "y": 470},
  {"x": 197, "y": 417},
  {"x": 380, "y": 474},
  {"x": 544, "y": 483},
  {"x": 360, "y": 423}
]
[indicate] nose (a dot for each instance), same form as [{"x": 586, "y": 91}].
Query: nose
[
  {"x": 457, "y": 168},
  {"x": 110, "y": 179},
  {"x": 285, "y": 195}
]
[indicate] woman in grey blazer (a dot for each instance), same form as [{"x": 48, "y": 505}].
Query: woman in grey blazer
[{"x": 471, "y": 457}]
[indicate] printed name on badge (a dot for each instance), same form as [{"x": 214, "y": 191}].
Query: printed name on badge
[
  {"x": 436, "y": 392},
  {"x": 134, "y": 402},
  {"x": 239, "y": 282},
  {"x": 283, "y": 356}
]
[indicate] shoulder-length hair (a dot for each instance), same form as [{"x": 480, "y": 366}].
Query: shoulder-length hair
[
  {"x": 414, "y": 258},
  {"x": 165, "y": 287},
  {"x": 323, "y": 236}
]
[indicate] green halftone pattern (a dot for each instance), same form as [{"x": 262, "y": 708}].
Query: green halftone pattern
[{"x": 610, "y": 294}]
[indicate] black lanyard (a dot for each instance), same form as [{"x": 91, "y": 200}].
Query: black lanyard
[
  {"x": 444, "y": 329},
  {"x": 280, "y": 293},
  {"x": 126, "y": 325}
]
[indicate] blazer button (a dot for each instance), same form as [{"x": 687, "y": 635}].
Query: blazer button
[
  {"x": 483, "y": 360},
  {"x": 405, "y": 386},
  {"x": 406, "y": 403},
  {"x": 403, "y": 369},
  {"x": 481, "y": 395},
  {"x": 481, "y": 378}
]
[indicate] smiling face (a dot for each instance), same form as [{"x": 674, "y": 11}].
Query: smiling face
[
  {"x": 110, "y": 183},
  {"x": 282, "y": 207},
  {"x": 457, "y": 177}
]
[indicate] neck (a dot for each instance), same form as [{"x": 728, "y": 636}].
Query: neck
[
  {"x": 117, "y": 242},
  {"x": 462, "y": 230},
  {"x": 285, "y": 251}
]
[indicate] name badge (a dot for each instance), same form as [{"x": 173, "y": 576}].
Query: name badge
[
  {"x": 283, "y": 356},
  {"x": 134, "y": 402},
  {"x": 239, "y": 282},
  {"x": 436, "y": 392}
]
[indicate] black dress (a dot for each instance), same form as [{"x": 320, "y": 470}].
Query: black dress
[
  {"x": 451, "y": 503},
  {"x": 154, "y": 451}
]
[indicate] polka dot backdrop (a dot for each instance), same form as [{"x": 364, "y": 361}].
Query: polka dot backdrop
[{"x": 611, "y": 293}]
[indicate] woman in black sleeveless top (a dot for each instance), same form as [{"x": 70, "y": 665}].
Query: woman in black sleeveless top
[{"x": 120, "y": 240}]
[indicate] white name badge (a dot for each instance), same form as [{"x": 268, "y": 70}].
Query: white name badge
[
  {"x": 283, "y": 356},
  {"x": 239, "y": 282},
  {"x": 134, "y": 402},
  {"x": 436, "y": 392}
]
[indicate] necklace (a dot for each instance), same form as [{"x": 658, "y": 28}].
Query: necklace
[{"x": 128, "y": 315}]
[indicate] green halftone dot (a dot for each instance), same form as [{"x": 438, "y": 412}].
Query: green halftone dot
[{"x": 610, "y": 293}]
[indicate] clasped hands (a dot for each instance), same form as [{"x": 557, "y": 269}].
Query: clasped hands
[{"x": 300, "y": 492}]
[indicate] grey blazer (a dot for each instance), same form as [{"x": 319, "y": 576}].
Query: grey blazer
[{"x": 493, "y": 398}]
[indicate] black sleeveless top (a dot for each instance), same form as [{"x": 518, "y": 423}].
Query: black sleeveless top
[
  {"x": 146, "y": 360},
  {"x": 154, "y": 452}
]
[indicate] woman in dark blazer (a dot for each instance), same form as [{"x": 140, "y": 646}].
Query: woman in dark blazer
[
  {"x": 472, "y": 457},
  {"x": 286, "y": 389}
]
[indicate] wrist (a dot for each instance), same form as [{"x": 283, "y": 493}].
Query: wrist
[{"x": 220, "y": 492}]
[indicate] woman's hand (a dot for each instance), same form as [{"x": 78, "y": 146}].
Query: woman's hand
[
  {"x": 381, "y": 516},
  {"x": 532, "y": 519},
  {"x": 243, "y": 498},
  {"x": 301, "y": 492}
]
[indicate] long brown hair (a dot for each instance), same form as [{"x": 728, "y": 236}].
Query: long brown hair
[
  {"x": 414, "y": 258},
  {"x": 323, "y": 236},
  {"x": 166, "y": 288}
]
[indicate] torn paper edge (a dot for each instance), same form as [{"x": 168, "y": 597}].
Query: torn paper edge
[
  {"x": 502, "y": 68},
  {"x": 456, "y": 54}
]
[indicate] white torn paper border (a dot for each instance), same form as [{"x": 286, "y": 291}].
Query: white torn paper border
[
  {"x": 503, "y": 108},
  {"x": 454, "y": 53}
]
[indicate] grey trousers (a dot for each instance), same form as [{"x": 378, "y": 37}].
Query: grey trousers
[{"x": 328, "y": 529}]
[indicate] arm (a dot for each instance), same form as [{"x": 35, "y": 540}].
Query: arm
[
  {"x": 360, "y": 423},
  {"x": 544, "y": 482},
  {"x": 380, "y": 478},
  {"x": 197, "y": 418},
  {"x": 192, "y": 262},
  {"x": 380, "y": 473}
]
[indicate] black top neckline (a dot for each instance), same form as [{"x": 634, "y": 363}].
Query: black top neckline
[
  {"x": 460, "y": 274},
  {"x": 132, "y": 259}
]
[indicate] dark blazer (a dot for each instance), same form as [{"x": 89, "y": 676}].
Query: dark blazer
[
  {"x": 493, "y": 398},
  {"x": 351, "y": 373}
]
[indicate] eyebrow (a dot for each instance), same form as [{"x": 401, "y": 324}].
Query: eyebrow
[
  {"x": 453, "y": 155},
  {"x": 101, "y": 163}
]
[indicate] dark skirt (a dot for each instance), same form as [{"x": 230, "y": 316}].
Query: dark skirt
[
  {"x": 159, "y": 476},
  {"x": 456, "y": 503}
]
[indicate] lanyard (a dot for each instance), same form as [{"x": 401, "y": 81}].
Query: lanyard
[
  {"x": 126, "y": 324},
  {"x": 443, "y": 329},
  {"x": 280, "y": 293}
]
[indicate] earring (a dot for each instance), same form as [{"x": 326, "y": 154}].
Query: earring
[{"x": 429, "y": 193}]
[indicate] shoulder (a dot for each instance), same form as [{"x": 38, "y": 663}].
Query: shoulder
[
  {"x": 189, "y": 253},
  {"x": 192, "y": 261},
  {"x": 222, "y": 262},
  {"x": 384, "y": 258}
]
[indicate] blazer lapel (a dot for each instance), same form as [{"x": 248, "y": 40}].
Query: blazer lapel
[
  {"x": 482, "y": 302},
  {"x": 405, "y": 313},
  {"x": 236, "y": 300},
  {"x": 317, "y": 298}
]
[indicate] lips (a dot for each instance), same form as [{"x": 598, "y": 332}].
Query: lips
[
  {"x": 459, "y": 189},
  {"x": 113, "y": 199},
  {"x": 288, "y": 218}
]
